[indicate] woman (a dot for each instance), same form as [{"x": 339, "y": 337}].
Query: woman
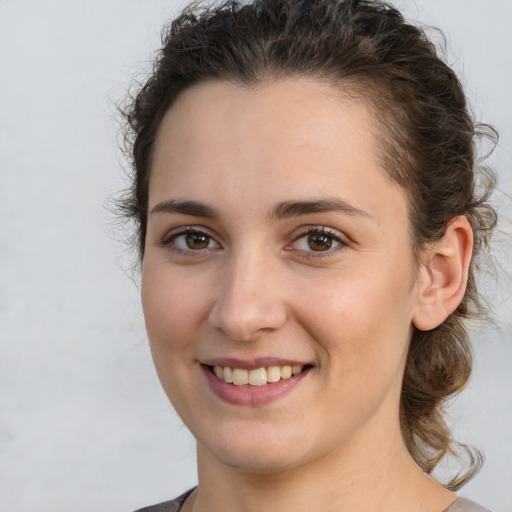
[{"x": 304, "y": 192}]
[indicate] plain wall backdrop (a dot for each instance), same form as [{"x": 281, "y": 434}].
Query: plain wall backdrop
[{"x": 84, "y": 424}]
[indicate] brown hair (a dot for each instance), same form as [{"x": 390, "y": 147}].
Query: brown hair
[{"x": 427, "y": 140}]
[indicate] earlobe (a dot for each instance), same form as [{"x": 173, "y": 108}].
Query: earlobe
[{"x": 443, "y": 275}]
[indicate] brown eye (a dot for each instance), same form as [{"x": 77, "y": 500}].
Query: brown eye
[
  {"x": 191, "y": 240},
  {"x": 197, "y": 241},
  {"x": 319, "y": 241}
]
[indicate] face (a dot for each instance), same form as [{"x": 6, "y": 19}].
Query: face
[{"x": 277, "y": 245}]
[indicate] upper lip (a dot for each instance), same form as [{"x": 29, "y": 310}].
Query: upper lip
[{"x": 252, "y": 364}]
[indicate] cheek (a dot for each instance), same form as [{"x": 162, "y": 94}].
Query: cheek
[
  {"x": 172, "y": 312},
  {"x": 172, "y": 307},
  {"x": 362, "y": 318},
  {"x": 363, "y": 337}
]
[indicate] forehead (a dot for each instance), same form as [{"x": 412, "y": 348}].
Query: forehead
[
  {"x": 292, "y": 139},
  {"x": 283, "y": 113}
]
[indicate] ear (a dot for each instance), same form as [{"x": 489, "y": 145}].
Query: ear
[{"x": 443, "y": 275}]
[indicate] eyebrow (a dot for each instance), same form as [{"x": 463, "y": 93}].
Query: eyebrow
[
  {"x": 284, "y": 210},
  {"x": 289, "y": 209},
  {"x": 193, "y": 208}
]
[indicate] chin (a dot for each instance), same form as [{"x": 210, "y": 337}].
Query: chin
[
  {"x": 256, "y": 462},
  {"x": 259, "y": 452}
]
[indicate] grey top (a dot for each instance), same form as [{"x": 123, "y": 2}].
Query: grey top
[
  {"x": 169, "y": 506},
  {"x": 465, "y": 505},
  {"x": 459, "y": 505}
]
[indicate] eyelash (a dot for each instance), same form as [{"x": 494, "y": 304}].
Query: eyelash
[
  {"x": 170, "y": 239},
  {"x": 319, "y": 230}
]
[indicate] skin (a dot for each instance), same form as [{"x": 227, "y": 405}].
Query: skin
[{"x": 259, "y": 290}]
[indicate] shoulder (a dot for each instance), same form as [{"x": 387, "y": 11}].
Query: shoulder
[
  {"x": 168, "y": 506},
  {"x": 465, "y": 505}
]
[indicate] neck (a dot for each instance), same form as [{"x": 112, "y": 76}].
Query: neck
[{"x": 368, "y": 478}]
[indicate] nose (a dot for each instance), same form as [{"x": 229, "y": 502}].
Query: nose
[{"x": 250, "y": 302}]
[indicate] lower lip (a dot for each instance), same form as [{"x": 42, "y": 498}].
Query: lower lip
[{"x": 252, "y": 395}]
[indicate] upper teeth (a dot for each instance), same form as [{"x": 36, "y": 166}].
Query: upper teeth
[{"x": 256, "y": 377}]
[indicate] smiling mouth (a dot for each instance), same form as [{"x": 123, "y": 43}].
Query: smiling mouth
[{"x": 256, "y": 376}]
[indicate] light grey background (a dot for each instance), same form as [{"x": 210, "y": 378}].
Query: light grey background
[{"x": 84, "y": 425}]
